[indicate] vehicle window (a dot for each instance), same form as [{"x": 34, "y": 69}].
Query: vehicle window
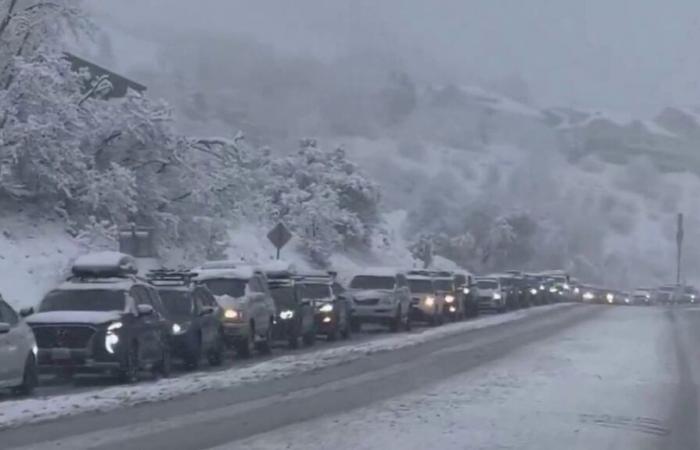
[
  {"x": 372, "y": 282},
  {"x": 7, "y": 314},
  {"x": 177, "y": 302},
  {"x": 443, "y": 285},
  {"x": 486, "y": 284},
  {"x": 313, "y": 290},
  {"x": 206, "y": 298},
  {"x": 227, "y": 286},
  {"x": 283, "y": 296},
  {"x": 338, "y": 288},
  {"x": 84, "y": 300},
  {"x": 141, "y": 296},
  {"x": 421, "y": 286}
]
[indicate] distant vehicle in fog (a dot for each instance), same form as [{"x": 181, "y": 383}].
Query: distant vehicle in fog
[
  {"x": 642, "y": 296},
  {"x": 426, "y": 304},
  {"x": 332, "y": 312},
  {"x": 490, "y": 294}
]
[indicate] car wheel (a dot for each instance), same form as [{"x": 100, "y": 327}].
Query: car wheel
[
  {"x": 310, "y": 337},
  {"x": 30, "y": 377},
  {"x": 355, "y": 325},
  {"x": 195, "y": 356},
  {"x": 395, "y": 324},
  {"x": 129, "y": 372},
  {"x": 265, "y": 347},
  {"x": 293, "y": 340},
  {"x": 244, "y": 346},
  {"x": 164, "y": 367},
  {"x": 216, "y": 355},
  {"x": 347, "y": 330}
]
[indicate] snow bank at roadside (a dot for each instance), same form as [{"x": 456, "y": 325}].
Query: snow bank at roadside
[{"x": 22, "y": 412}]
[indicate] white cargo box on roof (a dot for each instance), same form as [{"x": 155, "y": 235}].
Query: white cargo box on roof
[
  {"x": 238, "y": 273},
  {"x": 105, "y": 263},
  {"x": 96, "y": 284}
]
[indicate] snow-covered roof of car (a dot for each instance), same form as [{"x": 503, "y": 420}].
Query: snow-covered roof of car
[
  {"x": 486, "y": 278},
  {"x": 105, "y": 263},
  {"x": 238, "y": 273},
  {"x": 89, "y": 284},
  {"x": 222, "y": 264},
  {"x": 278, "y": 266},
  {"x": 379, "y": 272}
]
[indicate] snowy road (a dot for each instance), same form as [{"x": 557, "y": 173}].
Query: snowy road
[{"x": 575, "y": 378}]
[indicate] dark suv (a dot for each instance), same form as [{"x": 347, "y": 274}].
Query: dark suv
[
  {"x": 196, "y": 328},
  {"x": 333, "y": 312},
  {"x": 102, "y": 319},
  {"x": 295, "y": 311}
]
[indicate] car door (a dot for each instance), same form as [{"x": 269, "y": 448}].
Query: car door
[
  {"x": 148, "y": 327},
  {"x": 205, "y": 316},
  {"x": 11, "y": 359}
]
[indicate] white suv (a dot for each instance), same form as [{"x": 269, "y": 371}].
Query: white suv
[
  {"x": 18, "y": 366},
  {"x": 382, "y": 296},
  {"x": 248, "y": 309}
]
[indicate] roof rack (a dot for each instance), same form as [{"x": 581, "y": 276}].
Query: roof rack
[{"x": 169, "y": 277}]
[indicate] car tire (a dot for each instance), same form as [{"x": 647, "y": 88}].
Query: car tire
[
  {"x": 194, "y": 357},
  {"x": 355, "y": 325},
  {"x": 310, "y": 338},
  {"x": 30, "y": 377},
  {"x": 395, "y": 324},
  {"x": 244, "y": 347},
  {"x": 346, "y": 332},
  {"x": 293, "y": 340},
  {"x": 165, "y": 365},
  {"x": 216, "y": 354},
  {"x": 265, "y": 347},
  {"x": 129, "y": 373}
]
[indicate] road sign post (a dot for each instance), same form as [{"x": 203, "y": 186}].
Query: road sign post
[
  {"x": 679, "y": 245},
  {"x": 279, "y": 236}
]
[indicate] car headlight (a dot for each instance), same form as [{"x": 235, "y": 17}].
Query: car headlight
[
  {"x": 114, "y": 326},
  {"x": 232, "y": 314},
  {"x": 627, "y": 300},
  {"x": 286, "y": 314},
  {"x": 35, "y": 350},
  {"x": 178, "y": 329},
  {"x": 466, "y": 290},
  {"x": 610, "y": 298},
  {"x": 326, "y": 308},
  {"x": 497, "y": 296},
  {"x": 533, "y": 291},
  {"x": 429, "y": 301},
  {"x": 449, "y": 298},
  {"x": 566, "y": 286},
  {"x": 588, "y": 296},
  {"x": 541, "y": 287},
  {"x": 553, "y": 290},
  {"x": 577, "y": 291}
]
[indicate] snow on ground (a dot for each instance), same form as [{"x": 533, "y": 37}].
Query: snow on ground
[
  {"x": 22, "y": 412},
  {"x": 604, "y": 384},
  {"x": 34, "y": 257}
]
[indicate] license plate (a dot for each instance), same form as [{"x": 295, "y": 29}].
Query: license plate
[{"x": 60, "y": 354}]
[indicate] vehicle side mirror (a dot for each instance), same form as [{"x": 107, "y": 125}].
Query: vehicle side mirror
[
  {"x": 206, "y": 310},
  {"x": 144, "y": 310},
  {"x": 26, "y": 312},
  {"x": 4, "y": 328}
]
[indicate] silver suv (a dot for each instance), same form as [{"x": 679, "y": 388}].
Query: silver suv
[
  {"x": 247, "y": 307},
  {"x": 18, "y": 366},
  {"x": 382, "y": 296}
]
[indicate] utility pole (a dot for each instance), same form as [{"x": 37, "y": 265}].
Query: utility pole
[{"x": 679, "y": 244}]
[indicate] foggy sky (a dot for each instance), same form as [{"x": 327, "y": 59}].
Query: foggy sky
[{"x": 631, "y": 55}]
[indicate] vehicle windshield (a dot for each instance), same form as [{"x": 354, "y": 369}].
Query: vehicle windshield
[
  {"x": 177, "y": 302},
  {"x": 421, "y": 286},
  {"x": 84, "y": 300},
  {"x": 372, "y": 282},
  {"x": 486, "y": 284},
  {"x": 226, "y": 286},
  {"x": 443, "y": 285},
  {"x": 283, "y": 296},
  {"x": 317, "y": 290}
]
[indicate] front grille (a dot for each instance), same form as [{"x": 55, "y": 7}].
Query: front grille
[
  {"x": 367, "y": 301},
  {"x": 63, "y": 336}
]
